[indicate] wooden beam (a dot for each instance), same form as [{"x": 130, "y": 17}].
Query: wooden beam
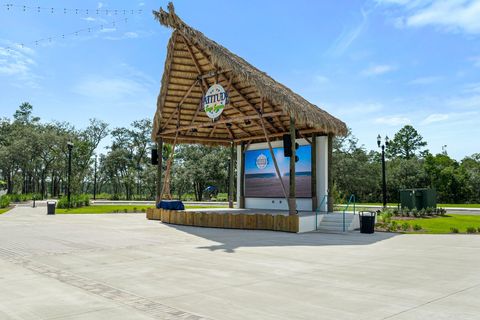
[
  {"x": 249, "y": 104},
  {"x": 189, "y": 46},
  {"x": 226, "y": 120},
  {"x": 180, "y": 104},
  {"x": 241, "y": 201},
  {"x": 275, "y": 162},
  {"x": 248, "y": 145},
  {"x": 292, "y": 203},
  {"x": 280, "y": 134},
  {"x": 231, "y": 177},
  {"x": 197, "y": 138}
]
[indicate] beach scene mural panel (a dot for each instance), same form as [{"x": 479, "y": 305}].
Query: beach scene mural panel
[{"x": 261, "y": 180}]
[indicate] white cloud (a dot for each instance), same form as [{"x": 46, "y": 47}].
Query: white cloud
[
  {"x": 99, "y": 5},
  {"x": 435, "y": 117},
  {"x": 108, "y": 30},
  {"x": 109, "y": 88},
  {"x": 347, "y": 37},
  {"x": 452, "y": 16},
  {"x": 131, "y": 35},
  {"x": 18, "y": 62},
  {"x": 476, "y": 61},
  {"x": 378, "y": 70},
  {"x": 393, "y": 120},
  {"x": 424, "y": 80}
]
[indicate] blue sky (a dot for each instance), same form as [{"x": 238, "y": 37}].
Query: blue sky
[
  {"x": 304, "y": 163},
  {"x": 377, "y": 65}
]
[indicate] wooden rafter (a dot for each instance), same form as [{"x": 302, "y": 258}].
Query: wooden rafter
[
  {"x": 180, "y": 104},
  {"x": 226, "y": 120}
]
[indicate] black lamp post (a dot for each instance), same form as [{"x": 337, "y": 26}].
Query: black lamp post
[
  {"x": 384, "y": 180},
  {"x": 70, "y": 147}
]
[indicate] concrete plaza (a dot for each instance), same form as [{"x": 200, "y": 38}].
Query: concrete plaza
[{"x": 122, "y": 266}]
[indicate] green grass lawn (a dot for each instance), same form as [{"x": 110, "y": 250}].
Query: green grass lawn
[
  {"x": 3, "y": 210},
  {"x": 442, "y": 224},
  {"x": 119, "y": 208},
  {"x": 440, "y": 205}
]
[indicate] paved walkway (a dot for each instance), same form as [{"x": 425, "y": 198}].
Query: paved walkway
[{"x": 125, "y": 267}]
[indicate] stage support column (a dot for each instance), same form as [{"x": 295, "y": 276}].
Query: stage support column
[
  {"x": 314, "y": 172},
  {"x": 159, "y": 168},
  {"x": 241, "y": 191},
  {"x": 329, "y": 173},
  {"x": 292, "y": 194},
  {"x": 230, "y": 175}
]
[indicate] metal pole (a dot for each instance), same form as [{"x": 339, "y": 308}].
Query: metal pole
[
  {"x": 69, "y": 173},
  {"x": 384, "y": 181},
  {"x": 95, "y": 180},
  {"x": 230, "y": 175}
]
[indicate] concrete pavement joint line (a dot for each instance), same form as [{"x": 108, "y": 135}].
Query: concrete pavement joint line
[
  {"x": 432, "y": 301},
  {"x": 149, "y": 307}
]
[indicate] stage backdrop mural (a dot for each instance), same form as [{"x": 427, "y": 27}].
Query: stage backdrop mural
[{"x": 261, "y": 181}]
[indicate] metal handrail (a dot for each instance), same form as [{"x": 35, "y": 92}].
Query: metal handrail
[
  {"x": 324, "y": 200},
  {"x": 352, "y": 197}
]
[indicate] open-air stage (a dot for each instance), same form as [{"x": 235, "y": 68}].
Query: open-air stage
[{"x": 249, "y": 219}]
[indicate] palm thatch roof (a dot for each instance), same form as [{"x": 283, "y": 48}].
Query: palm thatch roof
[{"x": 194, "y": 63}]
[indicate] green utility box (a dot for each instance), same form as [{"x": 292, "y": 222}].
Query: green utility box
[{"x": 419, "y": 199}]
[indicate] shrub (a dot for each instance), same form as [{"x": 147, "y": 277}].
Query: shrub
[
  {"x": 471, "y": 230},
  {"x": 143, "y": 210},
  {"x": 454, "y": 230},
  {"x": 4, "y": 201},
  {"x": 415, "y": 212},
  {"x": 385, "y": 217},
  {"x": 428, "y": 211},
  {"x": 405, "y": 226},
  {"x": 134, "y": 209},
  {"x": 417, "y": 227},
  {"x": 478, "y": 229},
  {"x": 125, "y": 210},
  {"x": 76, "y": 201},
  {"x": 392, "y": 227}
]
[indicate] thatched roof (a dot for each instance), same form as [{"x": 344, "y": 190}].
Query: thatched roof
[{"x": 194, "y": 63}]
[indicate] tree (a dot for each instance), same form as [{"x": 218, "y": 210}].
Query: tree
[{"x": 406, "y": 143}]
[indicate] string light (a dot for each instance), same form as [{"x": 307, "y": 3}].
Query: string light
[
  {"x": 51, "y": 10},
  {"x": 62, "y": 35}
]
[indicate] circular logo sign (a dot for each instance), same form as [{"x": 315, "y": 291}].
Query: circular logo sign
[
  {"x": 261, "y": 162},
  {"x": 214, "y": 101}
]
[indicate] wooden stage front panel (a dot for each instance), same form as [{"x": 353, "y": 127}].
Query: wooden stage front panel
[{"x": 212, "y": 219}]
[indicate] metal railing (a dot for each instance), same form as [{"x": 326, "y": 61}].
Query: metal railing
[
  {"x": 352, "y": 198},
  {"x": 324, "y": 201}
]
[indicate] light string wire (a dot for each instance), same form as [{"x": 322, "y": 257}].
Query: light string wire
[
  {"x": 64, "y": 35},
  {"x": 25, "y": 8}
]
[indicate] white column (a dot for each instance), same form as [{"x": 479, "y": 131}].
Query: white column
[{"x": 322, "y": 172}]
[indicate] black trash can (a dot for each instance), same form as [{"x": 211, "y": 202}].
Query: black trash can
[
  {"x": 51, "y": 207},
  {"x": 367, "y": 221}
]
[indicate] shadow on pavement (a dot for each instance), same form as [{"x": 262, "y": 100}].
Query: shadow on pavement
[{"x": 231, "y": 239}]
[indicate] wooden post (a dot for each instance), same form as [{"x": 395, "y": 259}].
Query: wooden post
[
  {"x": 231, "y": 172},
  {"x": 314, "y": 173},
  {"x": 159, "y": 169},
  {"x": 242, "y": 177},
  {"x": 329, "y": 173},
  {"x": 292, "y": 205},
  {"x": 277, "y": 170}
]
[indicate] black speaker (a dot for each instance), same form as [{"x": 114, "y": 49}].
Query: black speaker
[
  {"x": 287, "y": 146},
  {"x": 154, "y": 157}
]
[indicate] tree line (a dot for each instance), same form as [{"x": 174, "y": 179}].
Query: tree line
[{"x": 34, "y": 160}]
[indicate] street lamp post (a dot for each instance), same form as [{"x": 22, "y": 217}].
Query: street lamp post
[
  {"x": 384, "y": 180},
  {"x": 70, "y": 147}
]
